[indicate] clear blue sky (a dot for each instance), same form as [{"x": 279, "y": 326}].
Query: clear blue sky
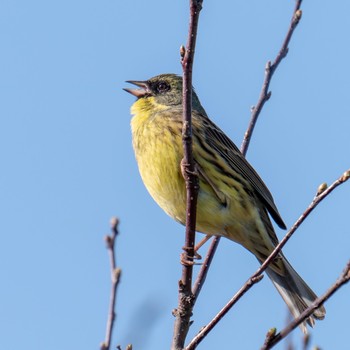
[{"x": 67, "y": 165}]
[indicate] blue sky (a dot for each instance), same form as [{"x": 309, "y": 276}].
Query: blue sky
[{"x": 68, "y": 166}]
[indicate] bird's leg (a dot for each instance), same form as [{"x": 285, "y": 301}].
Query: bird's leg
[
  {"x": 199, "y": 245},
  {"x": 185, "y": 171},
  {"x": 184, "y": 256}
]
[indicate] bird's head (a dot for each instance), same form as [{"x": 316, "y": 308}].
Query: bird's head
[{"x": 164, "y": 90}]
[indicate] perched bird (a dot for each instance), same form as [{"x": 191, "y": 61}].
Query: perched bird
[{"x": 233, "y": 201}]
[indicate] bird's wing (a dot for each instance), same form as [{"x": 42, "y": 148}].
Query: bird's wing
[{"x": 230, "y": 153}]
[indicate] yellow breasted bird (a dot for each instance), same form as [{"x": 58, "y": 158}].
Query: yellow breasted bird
[{"x": 233, "y": 201}]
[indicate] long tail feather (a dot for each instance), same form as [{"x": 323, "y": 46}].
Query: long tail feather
[{"x": 296, "y": 293}]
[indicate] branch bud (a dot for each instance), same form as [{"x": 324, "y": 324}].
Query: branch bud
[
  {"x": 345, "y": 176},
  {"x": 321, "y": 188},
  {"x": 270, "y": 334},
  {"x": 116, "y": 274},
  {"x": 182, "y": 52},
  {"x": 257, "y": 278},
  {"x": 114, "y": 224},
  {"x": 297, "y": 16}
]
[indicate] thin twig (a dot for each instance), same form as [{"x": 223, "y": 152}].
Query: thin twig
[
  {"x": 271, "y": 341},
  {"x": 270, "y": 69},
  {"x": 203, "y": 271},
  {"x": 264, "y": 96},
  {"x": 115, "y": 277},
  {"x": 186, "y": 301},
  {"x": 256, "y": 277}
]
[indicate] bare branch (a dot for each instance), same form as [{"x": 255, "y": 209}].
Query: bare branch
[
  {"x": 270, "y": 69},
  {"x": 186, "y": 300},
  {"x": 271, "y": 341},
  {"x": 204, "y": 270},
  {"x": 257, "y": 276},
  {"x": 264, "y": 96},
  {"x": 115, "y": 277}
]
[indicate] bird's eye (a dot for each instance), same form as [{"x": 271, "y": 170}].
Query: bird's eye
[{"x": 162, "y": 87}]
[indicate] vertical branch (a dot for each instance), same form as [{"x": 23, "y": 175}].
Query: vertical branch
[
  {"x": 186, "y": 300},
  {"x": 115, "y": 277}
]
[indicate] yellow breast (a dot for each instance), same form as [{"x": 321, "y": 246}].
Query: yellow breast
[{"x": 158, "y": 148}]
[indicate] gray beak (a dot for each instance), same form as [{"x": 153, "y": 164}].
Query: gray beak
[{"x": 142, "y": 92}]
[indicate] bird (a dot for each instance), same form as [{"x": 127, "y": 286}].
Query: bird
[{"x": 233, "y": 201}]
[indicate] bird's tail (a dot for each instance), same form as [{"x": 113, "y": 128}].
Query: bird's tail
[{"x": 295, "y": 292}]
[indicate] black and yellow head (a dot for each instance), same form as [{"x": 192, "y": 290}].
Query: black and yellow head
[{"x": 165, "y": 89}]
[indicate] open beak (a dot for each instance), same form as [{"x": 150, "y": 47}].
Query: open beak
[{"x": 142, "y": 92}]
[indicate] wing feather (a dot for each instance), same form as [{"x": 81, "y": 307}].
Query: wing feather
[{"x": 230, "y": 153}]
